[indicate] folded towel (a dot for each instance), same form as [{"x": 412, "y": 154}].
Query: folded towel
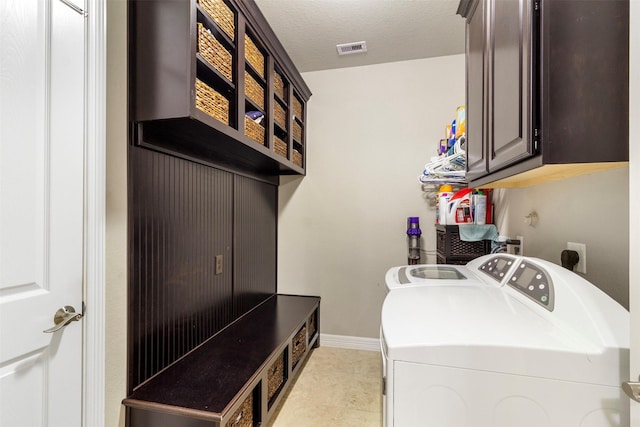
[{"x": 476, "y": 232}]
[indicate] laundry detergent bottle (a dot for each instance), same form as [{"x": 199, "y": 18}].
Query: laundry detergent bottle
[{"x": 459, "y": 207}]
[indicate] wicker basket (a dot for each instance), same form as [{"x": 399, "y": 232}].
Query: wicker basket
[
  {"x": 214, "y": 53},
  {"x": 297, "y": 131},
  {"x": 243, "y": 417},
  {"x": 280, "y": 147},
  {"x": 279, "y": 115},
  {"x": 297, "y": 158},
  {"x": 312, "y": 320},
  {"x": 297, "y": 108},
  {"x": 211, "y": 102},
  {"x": 253, "y": 55},
  {"x": 254, "y": 130},
  {"x": 278, "y": 85},
  {"x": 275, "y": 376},
  {"x": 221, "y": 15},
  {"x": 299, "y": 345},
  {"x": 253, "y": 90}
]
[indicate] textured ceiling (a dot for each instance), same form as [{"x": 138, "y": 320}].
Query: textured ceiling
[{"x": 394, "y": 30}]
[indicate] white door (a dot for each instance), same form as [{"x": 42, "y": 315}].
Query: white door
[{"x": 41, "y": 210}]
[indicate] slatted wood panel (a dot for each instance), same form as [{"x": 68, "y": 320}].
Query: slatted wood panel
[
  {"x": 181, "y": 217},
  {"x": 256, "y": 207}
]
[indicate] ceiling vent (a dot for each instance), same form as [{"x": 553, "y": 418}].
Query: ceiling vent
[{"x": 350, "y": 48}]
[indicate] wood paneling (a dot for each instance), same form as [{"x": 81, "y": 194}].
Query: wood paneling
[
  {"x": 256, "y": 206},
  {"x": 182, "y": 215}
]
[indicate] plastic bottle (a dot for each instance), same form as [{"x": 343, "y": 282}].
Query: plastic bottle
[
  {"x": 480, "y": 208},
  {"x": 413, "y": 240},
  {"x": 442, "y": 199}
]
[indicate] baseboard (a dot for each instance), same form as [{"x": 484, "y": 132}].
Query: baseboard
[{"x": 353, "y": 343}]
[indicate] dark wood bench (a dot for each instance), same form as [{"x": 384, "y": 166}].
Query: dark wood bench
[{"x": 238, "y": 376}]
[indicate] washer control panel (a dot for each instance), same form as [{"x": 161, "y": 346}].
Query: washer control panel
[
  {"x": 534, "y": 282},
  {"x": 497, "y": 267}
]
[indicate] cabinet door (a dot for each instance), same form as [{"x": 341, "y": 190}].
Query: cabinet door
[
  {"x": 510, "y": 82},
  {"x": 476, "y": 101}
]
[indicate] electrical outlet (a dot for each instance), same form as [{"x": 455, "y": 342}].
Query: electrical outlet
[
  {"x": 581, "y": 248},
  {"x": 218, "y": 264},
  {"x": 521, "y": 248}
]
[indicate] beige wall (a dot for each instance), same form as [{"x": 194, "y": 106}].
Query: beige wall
[
  {"x": 116, "y": 226},
  {"x": 591, "y": 209},
  {"x": 371, "y": 130},
  {"x": 634, "y": 196}
]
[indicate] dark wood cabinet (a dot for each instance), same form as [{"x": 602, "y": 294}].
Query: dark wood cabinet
[
  {"x": 201, "y": 70},
  {"x": 547, "y": 89},
  {"x": 475, "y": 76}
]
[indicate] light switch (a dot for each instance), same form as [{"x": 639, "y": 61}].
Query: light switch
[{"x": 218, "y": 264}]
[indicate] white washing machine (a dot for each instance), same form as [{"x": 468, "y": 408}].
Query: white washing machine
[
  {"x": 527, "y": 343},
  {"x": 407, "y": 276}
]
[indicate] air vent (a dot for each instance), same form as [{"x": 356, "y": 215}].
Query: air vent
[{"x": 350, "y": 48}]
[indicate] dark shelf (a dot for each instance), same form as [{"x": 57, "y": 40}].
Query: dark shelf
[
  {"x": 254, "y": 73},
  {"x": 205, "y": 68}
]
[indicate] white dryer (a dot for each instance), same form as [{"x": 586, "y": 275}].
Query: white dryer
[{"x": 527, "y": 343}]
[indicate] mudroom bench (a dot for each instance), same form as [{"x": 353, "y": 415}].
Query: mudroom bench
[{"x": 237, "y": 377}]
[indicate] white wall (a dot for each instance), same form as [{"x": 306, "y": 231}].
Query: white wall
[
  {"x": 371, "y": 130},
  {"x": 591, "y": 209}
]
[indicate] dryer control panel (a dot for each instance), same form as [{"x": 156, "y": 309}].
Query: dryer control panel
[
  {"x": 534, "y": 282},
  {"x": 497, "y": 267}
]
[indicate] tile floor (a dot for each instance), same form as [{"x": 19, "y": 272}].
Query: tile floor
[{"x": 337, "y": 387}]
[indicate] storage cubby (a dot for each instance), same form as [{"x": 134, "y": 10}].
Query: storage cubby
[
  {"x": 277, "y": 375},
  {"x": 298, "y": 346},
  {"x": 202, "y": 72}
]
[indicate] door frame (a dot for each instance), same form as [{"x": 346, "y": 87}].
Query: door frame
[{"x": 94, "y": 346}]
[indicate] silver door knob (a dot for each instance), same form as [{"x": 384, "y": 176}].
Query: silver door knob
[
  {"x": 632, "y": 389},
  {"x": 63, "y": 317}
]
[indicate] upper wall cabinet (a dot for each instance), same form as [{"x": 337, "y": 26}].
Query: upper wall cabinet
[
  {"x": 547, "y": 89},
  {"x": 209, "y": 80}
]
